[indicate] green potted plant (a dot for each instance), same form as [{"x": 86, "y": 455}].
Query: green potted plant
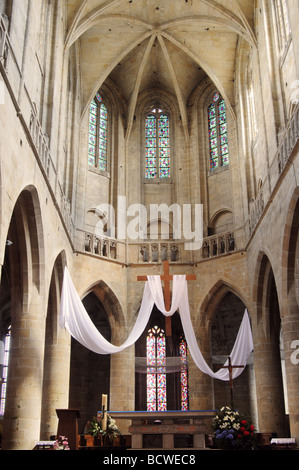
[{"x": 95, "y": 430}]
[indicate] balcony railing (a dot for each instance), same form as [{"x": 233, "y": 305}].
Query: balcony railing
[
  {"x": 287, "y": 142},
  {"x": 39, "y": 141},
  {"x": 156, "y": 252}
]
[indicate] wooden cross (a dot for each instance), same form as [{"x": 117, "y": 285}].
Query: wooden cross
[
  {"x": 166, "y": 277},
  {"x": 230, "y": 368}
]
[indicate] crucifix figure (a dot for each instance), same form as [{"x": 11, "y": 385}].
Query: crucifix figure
[
  {"x": 166, "y": 277},
  {"x": 230, "y": 368}
]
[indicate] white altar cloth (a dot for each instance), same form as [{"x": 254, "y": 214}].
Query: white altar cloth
[{"x": 76, "y": 320}]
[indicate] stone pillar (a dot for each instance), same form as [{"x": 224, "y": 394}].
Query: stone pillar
[
  {"x": 269, "y": 386},
  {"x": 201, "y": 390},
  {"x": 25, "y": 373},
  {"x": 122, "y": 384},
  {"x": 56, "y": 382}
]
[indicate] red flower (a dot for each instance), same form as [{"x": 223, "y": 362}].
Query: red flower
[
  {"x": 251, "y": 427},
  {"x": 246, "y": 433},
  {"x": 242, "y": 429},
  {"x": 244, "y": 422}
]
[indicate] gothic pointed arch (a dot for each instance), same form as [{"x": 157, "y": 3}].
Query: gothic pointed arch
[{"x": 26, "y": 236}]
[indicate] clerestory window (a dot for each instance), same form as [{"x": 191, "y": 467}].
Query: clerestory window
[
  {"x": 157, "y": 144},
  {"x": 283, "y": 22},
  {"x": 98, "y": 133},
  {"x": 218, "y": 136}
]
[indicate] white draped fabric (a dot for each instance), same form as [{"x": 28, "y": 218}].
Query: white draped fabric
[{"x": 76, "y": 320}]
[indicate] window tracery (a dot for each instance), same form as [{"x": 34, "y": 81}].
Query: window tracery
[
  {"x": 98, "y": 133},
  {"x": 218, "y": 136},
  {"x": 157, "y": 144}
]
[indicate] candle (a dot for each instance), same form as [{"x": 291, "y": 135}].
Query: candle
[{"x": 104, "y": 410}]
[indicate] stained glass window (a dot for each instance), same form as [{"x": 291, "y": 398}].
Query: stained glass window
[
  {"x": 156, "y": 369},
  {"x": 184, "y": 374},
  {"x": 218, "y": 138},
  {"x": 98, "y": 128},
  {"x": 6, "y": 346},
  {"x": 157, "y": 144}
]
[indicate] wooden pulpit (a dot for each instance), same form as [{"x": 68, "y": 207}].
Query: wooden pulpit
[{"x": 68, "y": 426}]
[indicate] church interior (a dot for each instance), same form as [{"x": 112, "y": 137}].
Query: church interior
[{"x": 197, "y": 101}]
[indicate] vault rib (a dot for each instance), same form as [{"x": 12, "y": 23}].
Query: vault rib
[
  {"x": 106, "y": 72},
  {"x": 176, "y": 86},
  {"x": 203, "y": 65},
  {"x": 135, "y": 93}
]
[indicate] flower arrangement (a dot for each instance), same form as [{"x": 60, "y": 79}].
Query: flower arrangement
[
  {"x": 233, "y": 431},
  {"x": 94, "y": 427},
  {"x": 61, "y": 443},
  {"x": 112, "y": 431}
]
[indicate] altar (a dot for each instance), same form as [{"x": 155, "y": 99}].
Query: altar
[{"x": 167, "y": 426}]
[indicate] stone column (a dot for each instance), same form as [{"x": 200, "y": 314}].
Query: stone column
[
  {"x": 56, "y": 382},
  {"x": 201, "y": 390},
  {"x": 269, "y": 386},
  {"x": 25, "y": 373},
  {"x": 122, "y": 384}
]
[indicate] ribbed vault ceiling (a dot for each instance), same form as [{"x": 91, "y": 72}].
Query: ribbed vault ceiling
[{"x": 172, "y": 44}]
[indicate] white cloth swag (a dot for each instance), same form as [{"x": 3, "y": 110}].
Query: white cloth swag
[{"x": 74, "y": 317}]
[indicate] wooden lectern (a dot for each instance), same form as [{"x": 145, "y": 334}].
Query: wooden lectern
[{"x": 68, "y": 426}]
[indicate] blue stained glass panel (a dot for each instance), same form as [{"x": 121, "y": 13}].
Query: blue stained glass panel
[
  {"x": 92, "y": 150},
  {"x": 157, "y": 142},
  {"x": 92, "y": 129},
  {"x": 221, "y": 107},
  {"x": 224, "y": 149},
  {"x": 151, "y": 383},
  {"x": 103, "y": 134},
  {"x": 225, "y": 159},
  {"x": 163, "y": 142},
  {"x": 218, "y": 138},
  {"x": 212, "y": 111},
  {"x": 222, "y": 128},
  {"x": 156, "y": 382},
  {"x": 98, "y": 125},
  {"x": 150, "y": 172},
  {"x": 150, "y": 142},
  {"x": 103, "y": 124},
  {"x": 151, "y": 162},
  {"x": 92, "y": 139},
  {"x": 150, "y": 132},
  {"x": 93, "y": 120},
  {"x": 184, "y": 375},
  {"x": 212, "y": 123},
  {"x": 164, "y": 173},
  {"x": 93, "y": 108},
  {"x": 222, "y": 118},
  {"x": 161, "y": 381},
  {"x": 223, "y": 139},
  {"x": 212, "y": 133}
]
